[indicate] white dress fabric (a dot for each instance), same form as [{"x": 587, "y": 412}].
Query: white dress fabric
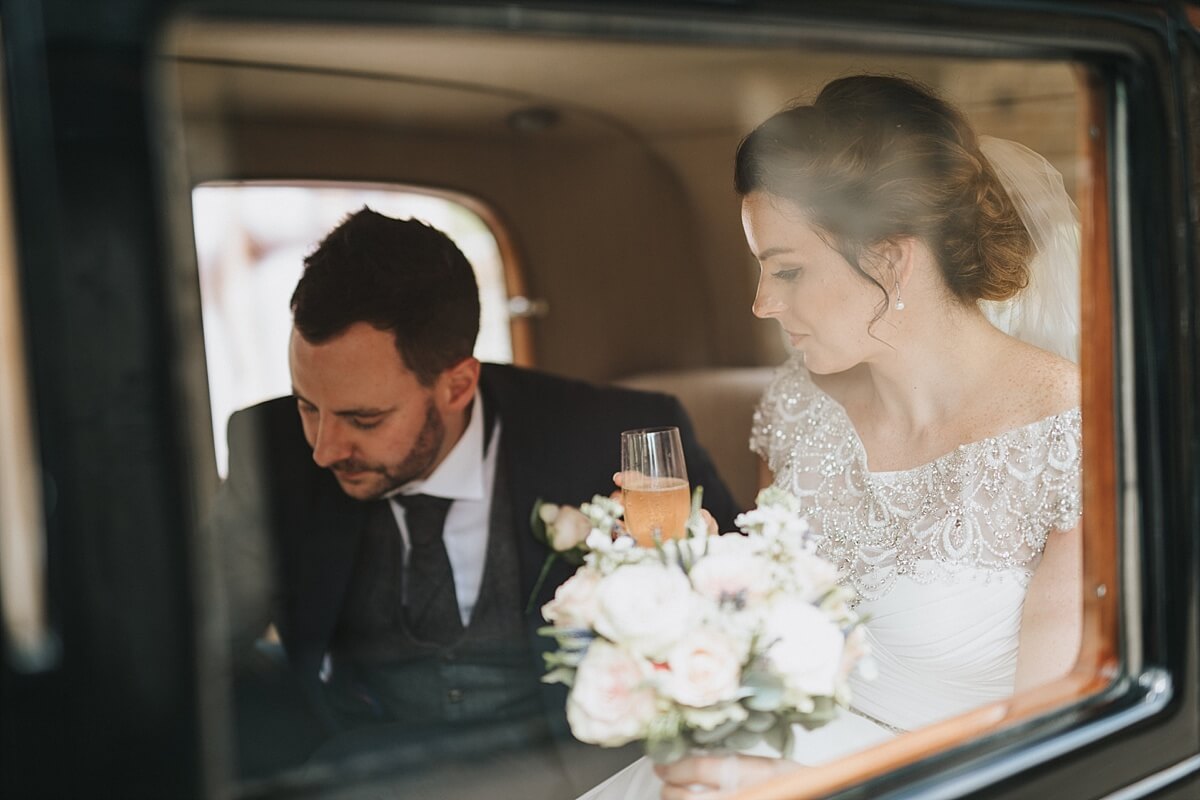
[{"x": 939, "y": 556}]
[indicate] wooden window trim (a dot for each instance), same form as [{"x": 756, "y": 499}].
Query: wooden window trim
[
  {"x": 512, "y": 262},
  {"x": 1098, "y": 662},
  {"x": 521, "y": 328}
]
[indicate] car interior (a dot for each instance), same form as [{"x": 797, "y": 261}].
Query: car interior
[{"x": 603, "y": 164}]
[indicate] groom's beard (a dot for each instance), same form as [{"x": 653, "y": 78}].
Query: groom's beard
[{"x": 383, "y": 479}]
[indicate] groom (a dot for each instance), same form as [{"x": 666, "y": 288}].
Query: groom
[{"x": 379, "y": 519}]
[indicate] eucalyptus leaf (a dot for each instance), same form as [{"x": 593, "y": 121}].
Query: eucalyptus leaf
[
  {"x": 824, "y": 706},
  {"x": 824, "y": 711},
  {"x": 665, "y": 726},
  {"x": 776, "y": 737},
  {"x": 560, "y": 675},
  {"x": 765, "y": 691},
  {"x": 764, "y": 700},
  {"x": 703, "y": 737},
  {"x": 658, "y": 547},
  {"x": 760, "y": 721},
  {"x": 742, "y": 739},
  {"x": 812, "y": 724},
  {"x": 564, "y": 658},
  {"x": 760, "y": 678},
  {"x": 686, "y": 562},
  {"x": 664, "y": 751}
]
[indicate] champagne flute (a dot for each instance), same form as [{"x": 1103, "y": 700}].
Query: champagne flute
[{"x": 654, "y": 485}]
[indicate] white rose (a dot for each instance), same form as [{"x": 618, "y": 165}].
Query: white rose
[
  {"x": 805, "y": 647},
  {"x": 857, "y": 654},
  {"x": 812, "y": 576},
  {"x": 574, "y": 603},
  {"x": 703, "y": 669},
  {"x": 646, "y": 607},
  {"x": 570, "y": 529},
  {"x": 732, "y": 574},
  {"x": 611, "y": 702}
]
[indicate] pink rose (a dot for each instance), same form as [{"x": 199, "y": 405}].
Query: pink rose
[
  {"x": 568, "y": 529},
  {"x": 705, "y": 669},
  {"x": 732, "y": 574},
  {"x": 574, "y": 603},
  {"x": 611, "y": 702}
]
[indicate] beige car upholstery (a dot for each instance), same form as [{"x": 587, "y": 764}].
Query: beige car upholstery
[{"x": 721, "y": 404}]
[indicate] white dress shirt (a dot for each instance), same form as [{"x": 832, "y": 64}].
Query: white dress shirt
[{"x": 465, "y": 476}]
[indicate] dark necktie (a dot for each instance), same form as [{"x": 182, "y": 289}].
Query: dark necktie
[{"x": 431, "y": 606}]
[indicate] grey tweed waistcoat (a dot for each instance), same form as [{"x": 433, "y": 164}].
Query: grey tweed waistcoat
[{"x": 382, "y": 673}]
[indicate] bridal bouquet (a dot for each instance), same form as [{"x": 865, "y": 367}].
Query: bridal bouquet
[{"x": 710, "y": 642}]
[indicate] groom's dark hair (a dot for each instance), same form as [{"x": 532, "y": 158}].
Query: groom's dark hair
[{"x": 399, "y": 276}]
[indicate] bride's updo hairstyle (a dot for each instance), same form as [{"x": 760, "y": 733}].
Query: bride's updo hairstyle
[{"x": 880, "y": 157}]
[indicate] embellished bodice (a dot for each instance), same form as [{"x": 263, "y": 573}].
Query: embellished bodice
[
  {"x": 940, "y": 557},
  {"x": 987, "y": 505}
]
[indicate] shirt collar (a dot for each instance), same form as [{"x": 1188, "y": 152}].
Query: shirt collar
[{"x": 460, "y": 475}]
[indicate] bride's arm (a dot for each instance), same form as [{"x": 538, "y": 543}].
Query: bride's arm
[{"x": 1051, "y": 622}]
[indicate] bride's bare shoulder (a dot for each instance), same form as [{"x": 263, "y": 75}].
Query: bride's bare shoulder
[{"x": 1040, "y": 382}]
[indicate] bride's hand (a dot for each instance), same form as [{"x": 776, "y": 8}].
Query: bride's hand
[
  {"x": 719, "y": 776},
  {"x": 709, "y": 521}
]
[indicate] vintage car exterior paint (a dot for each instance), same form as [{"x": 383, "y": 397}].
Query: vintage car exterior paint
[{"x": 132, "y": 707}]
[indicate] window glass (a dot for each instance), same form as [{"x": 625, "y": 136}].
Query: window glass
[{"x": 611, "y": 160}]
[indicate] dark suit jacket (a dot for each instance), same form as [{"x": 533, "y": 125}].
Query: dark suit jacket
[{"x": 289, "y": 534}]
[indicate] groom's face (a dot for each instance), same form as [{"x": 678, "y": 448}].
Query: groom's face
[
  {"x": 365, "y": 415},
  {"x": 824, "y": 306}
]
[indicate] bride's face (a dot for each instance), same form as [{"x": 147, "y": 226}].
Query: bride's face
[{"x": 823, "y": 304}]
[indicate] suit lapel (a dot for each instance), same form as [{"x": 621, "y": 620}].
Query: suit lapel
[
  {"x": 520, "y": 445},
  {"x": 327, "y": 540}
]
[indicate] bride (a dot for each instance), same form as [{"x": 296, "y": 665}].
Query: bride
[{"x": 937, "y": 456}]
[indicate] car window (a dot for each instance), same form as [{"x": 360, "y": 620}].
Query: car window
[{"x": 610, "y": 160}]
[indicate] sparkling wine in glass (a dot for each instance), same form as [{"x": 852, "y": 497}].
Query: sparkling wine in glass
[{"x": 654, "y": 484}]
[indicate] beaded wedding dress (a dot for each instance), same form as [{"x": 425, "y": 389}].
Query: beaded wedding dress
[{"x": 939, "y": 557}]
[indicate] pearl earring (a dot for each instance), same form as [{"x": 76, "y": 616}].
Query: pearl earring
[{"x": 899, "y": 302}]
